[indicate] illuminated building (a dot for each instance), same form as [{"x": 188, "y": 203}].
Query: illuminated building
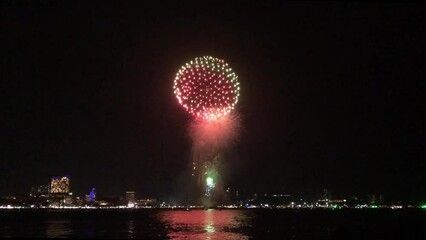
[
  {"x": 146, "y": 202},
  {"x": 338, "y": 203},
  {"x": 92, "y": 195},
  {"x": 60, "y": 191},
  {"x": 68, "y": 200},
  {"x": 40, "y": 191},
  {"x": 375, "y": 199},
  {"x": 322, "y": 203},
  {"x": 130, "y": 197},
  {"x": 78, "y": 201},
  {"x": 39, "y": 195},
  {"x": 60, "y": 185}
]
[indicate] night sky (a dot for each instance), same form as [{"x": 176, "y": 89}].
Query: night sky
[{"x": 331, "y": 96}]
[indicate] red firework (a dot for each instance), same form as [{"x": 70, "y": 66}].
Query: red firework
[{"x": 207, "y": 88}]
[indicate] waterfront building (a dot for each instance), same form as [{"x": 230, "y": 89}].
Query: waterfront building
[
  {"x": 130, "y": 197},
  {"x": 60, "y": 185}
]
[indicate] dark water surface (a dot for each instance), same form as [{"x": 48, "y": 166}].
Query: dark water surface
[{"x": 215, "y": 224}]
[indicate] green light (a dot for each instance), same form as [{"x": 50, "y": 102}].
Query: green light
[
  {"x": 373, "y": 206},
  {"x": 335, "y": 206},
  {"x": 423, "y": 206},
  {"x": 209, "y": 182}
]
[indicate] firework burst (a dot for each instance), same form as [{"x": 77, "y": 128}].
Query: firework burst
[{"x": 207, "y": 87}]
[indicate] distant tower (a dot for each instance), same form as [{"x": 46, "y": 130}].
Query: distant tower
[
  {"x": 130, "y": 197},
  {"x": 60, "y": 185},
  {"x": 92, "y": 195},
  {"x": 326, "y": 194}
]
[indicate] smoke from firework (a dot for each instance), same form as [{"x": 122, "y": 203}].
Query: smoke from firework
[{"x": 218, "y": 133}]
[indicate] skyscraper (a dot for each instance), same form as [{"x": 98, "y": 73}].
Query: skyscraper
[
  {"x": 130, "y": 197},
  {"x": 40, "y": 191},
  {"x": 92, "y": 195},
  {"x": 60, "y": 185}
]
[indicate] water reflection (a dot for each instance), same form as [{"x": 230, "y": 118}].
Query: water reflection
[
  {"x": 205, "y": 224},
  {"x": 131, "y": 229},
  {"x": 209, "y": 227},
  {"x": 58, "y": 229}
]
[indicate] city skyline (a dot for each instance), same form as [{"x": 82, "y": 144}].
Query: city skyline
[
  {"x": 59, "y": 191},
  {"x": 330, "y": 96},
  {"x": 58, "y": 194}
]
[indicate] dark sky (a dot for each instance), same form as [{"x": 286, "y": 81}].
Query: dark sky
[{"x": 331, "y": 95}]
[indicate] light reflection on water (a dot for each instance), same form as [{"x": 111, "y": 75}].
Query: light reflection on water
[
  {"x": 195, "y": 224},
  {"x": 58, "y": 229},
  {"x": 131, "y": 229},
  {"x": 214, "y": 224},
  {"x": 205, "y": 224}
]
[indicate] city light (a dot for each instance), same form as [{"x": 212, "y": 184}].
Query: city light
[{"x": 60, "y": 185}]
